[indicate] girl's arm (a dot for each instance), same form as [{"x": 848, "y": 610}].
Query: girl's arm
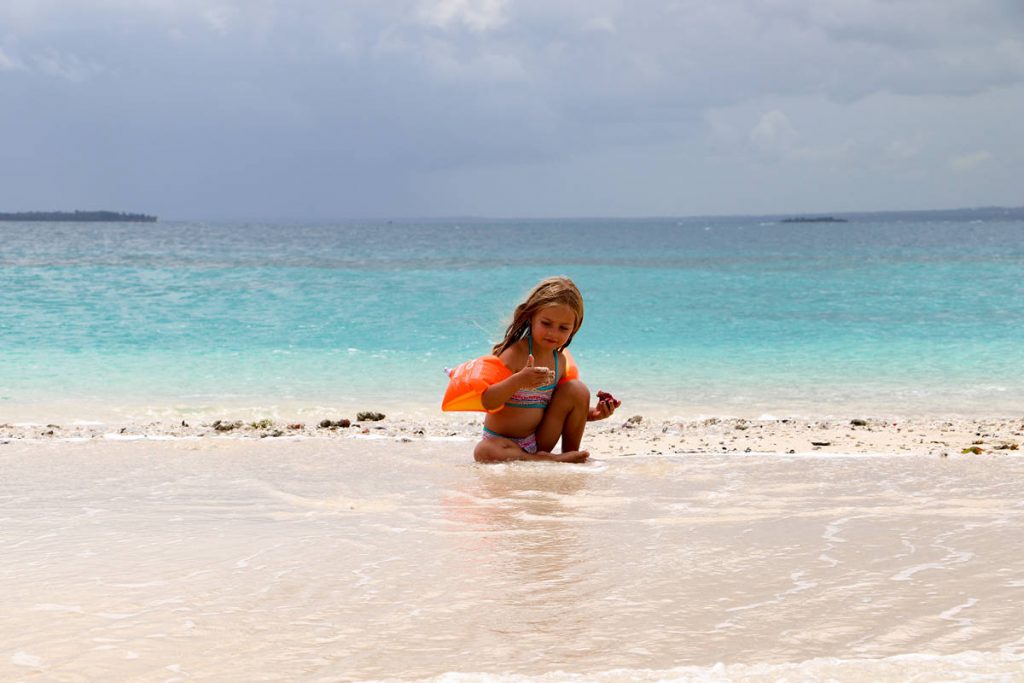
[{"x": 529, "y": 377}]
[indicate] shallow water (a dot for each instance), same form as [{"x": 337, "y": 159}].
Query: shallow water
[
  {"x": 888, "y": 314},
  {"x": 311, "y": 560}
]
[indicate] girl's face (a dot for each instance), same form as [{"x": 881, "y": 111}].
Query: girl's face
[{"x": 551, "y": 326}]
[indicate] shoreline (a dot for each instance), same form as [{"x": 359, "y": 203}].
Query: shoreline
[
  {"x": 621, "y": 435},
  {"x": 130, "y": 409}
]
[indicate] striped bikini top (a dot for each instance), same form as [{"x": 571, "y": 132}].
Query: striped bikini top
[{"x": 538, "y": 397}]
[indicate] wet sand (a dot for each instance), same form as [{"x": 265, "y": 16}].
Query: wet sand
[{"x": 378, "y": 552}]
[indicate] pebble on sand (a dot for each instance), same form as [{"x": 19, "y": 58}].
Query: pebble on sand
[{"x": 328, "y": 424}]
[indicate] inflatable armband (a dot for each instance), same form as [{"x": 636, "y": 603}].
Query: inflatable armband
[
  {"x": 572, "y": 371},
  {"x": 469, "y": 381}
]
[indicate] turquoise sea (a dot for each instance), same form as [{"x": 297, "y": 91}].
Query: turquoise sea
[{"x": 902, "y": 313}]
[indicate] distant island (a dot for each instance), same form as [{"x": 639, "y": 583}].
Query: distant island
[
  {"x": 814, "y": 219},
  {"x": 78, "y": 217}
]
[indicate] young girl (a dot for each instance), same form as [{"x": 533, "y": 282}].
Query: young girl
[{"x": 537, "y": 405}]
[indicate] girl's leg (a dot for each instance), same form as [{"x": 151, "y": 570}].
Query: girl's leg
[
  {"x": 498, "y": 450},
  {"x": 565, "y": 417},
  {"x": 503, "y": 450}
]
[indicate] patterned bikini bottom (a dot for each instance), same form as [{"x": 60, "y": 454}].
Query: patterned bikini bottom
[{"x": 527, "y": 443}]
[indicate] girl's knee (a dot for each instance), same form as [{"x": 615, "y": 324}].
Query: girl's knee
[
  {"x": 574, "y": 391},
  {"x": 496, "y": 450},
  {"x": 485, "y": 451}
]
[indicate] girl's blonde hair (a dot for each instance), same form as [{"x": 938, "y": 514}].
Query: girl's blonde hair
[{"x": 550, "y": 292}]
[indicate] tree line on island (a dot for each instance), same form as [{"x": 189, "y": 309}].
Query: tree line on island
[
  {"x": 78, "y": 216},
  {"x": 814, "y": 219}
]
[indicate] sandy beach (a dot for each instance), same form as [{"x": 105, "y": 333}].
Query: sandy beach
[
  {"x": 622, "y": 435},
  {"x": 718, "y": 549}
]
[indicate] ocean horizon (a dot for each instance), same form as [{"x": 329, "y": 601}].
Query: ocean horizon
[{"x": 888, "y": 313}]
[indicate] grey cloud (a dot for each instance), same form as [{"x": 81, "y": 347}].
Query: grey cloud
[{"x": 201, "y": 107}]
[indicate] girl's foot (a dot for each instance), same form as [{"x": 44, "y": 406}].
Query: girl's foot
[{"x": 571, "y": 456}]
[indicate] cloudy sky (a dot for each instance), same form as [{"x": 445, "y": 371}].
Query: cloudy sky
[{"x": 321, "y": 109}]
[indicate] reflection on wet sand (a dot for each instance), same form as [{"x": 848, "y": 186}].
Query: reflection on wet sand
[
  {"x": 297, "y": 560},
  {"x": 528, "y": 549}
]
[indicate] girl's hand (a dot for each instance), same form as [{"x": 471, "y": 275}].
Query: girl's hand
[
  {"x": 606, "y": 405},
  {"x": 531, "y": 377}
]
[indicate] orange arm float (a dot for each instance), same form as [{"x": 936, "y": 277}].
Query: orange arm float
[
  {"x": 469, "y": 381},
  {"x": 572, "y": 371}
]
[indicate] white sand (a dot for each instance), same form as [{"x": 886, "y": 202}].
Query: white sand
[{"x": 623, "y": 434}]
